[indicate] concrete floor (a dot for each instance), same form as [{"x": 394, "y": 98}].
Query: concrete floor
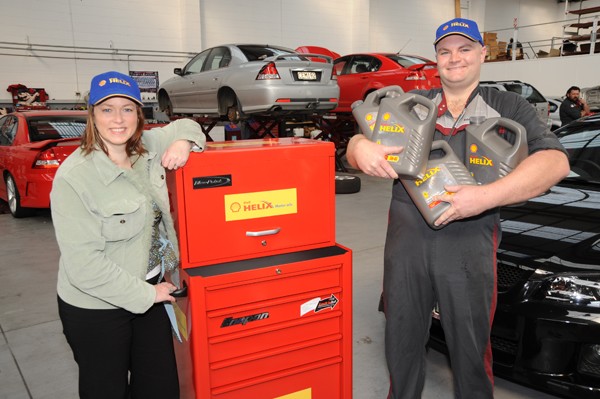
[{"x": 36, "y": 362}]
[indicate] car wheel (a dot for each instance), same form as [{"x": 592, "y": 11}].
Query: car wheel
[
  {"x": 234, "y": 112},
  {"x": 169, "y": 108},
  {"x": 14, "y": 199},
  {"x": 346, "y": 184}
]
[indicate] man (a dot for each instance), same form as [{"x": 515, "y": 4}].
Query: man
[
  {"x": 573, "y": 107},
  {"x": 454, "y": 266}
]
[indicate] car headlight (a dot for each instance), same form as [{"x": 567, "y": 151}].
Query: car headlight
[{"x": 581, "y": 290}]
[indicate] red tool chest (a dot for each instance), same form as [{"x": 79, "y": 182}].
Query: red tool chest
[{"x": 268, "y": 311}]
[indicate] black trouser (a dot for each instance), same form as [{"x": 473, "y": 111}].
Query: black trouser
[
  {"x": 456, "y": 267},
  {"x": 108, "y": 344}
]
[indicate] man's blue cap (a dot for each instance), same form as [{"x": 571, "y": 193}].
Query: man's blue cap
[
  {"x": 459, "y": 26},
  {"x": 113, "y": 84}
]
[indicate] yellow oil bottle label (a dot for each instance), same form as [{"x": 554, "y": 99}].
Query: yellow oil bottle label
[
  {"x": 260, "y": 204},
  {"x": 303, "y": 394}
]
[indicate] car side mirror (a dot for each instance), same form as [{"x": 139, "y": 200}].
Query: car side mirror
[{"x": 178, "y": 71}]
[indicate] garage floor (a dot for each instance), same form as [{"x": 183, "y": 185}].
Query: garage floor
[{"x": 35, "y": 361}]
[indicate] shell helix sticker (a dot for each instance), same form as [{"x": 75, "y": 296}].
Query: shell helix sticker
[
  {"x": 317, "y": 304},
  {"x": 371, "y": 118},
  {"x": 390, "y": 125},
  {"x": 260, "y": 204},
  {"x": 303, "y": 394}
]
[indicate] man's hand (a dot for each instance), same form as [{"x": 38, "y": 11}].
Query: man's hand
[
  {"x": 370, "y": 157},
  {"x": 177, "y": 154},
  {"x": 465, "y": 201}
]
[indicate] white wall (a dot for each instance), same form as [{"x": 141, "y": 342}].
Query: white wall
[
  {"x": 551, "y": 76},
  {"x": 189, "y": 26}
]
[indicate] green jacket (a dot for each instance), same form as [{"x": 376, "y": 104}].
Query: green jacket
[{"x": 103, "y": 218}]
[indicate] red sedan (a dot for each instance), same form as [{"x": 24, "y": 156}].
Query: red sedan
[
  {"x": 32, "y": 146},
  {"x": 360, "y": 74}
]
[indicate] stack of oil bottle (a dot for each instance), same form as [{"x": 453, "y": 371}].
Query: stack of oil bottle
[{"x": 390, "y": 117}]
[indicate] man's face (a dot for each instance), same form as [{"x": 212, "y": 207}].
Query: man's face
[
  {"x": 573, "y": 95},
  {"x": 459, "y": 61}
]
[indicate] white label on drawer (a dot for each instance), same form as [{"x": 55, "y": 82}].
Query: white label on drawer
[
  {"x": 309, "y": 306},
  {"x": 260, "y": 204},
  {"x": 303, "y": 394}
]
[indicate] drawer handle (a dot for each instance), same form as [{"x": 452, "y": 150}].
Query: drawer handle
[{"x": 263, "y": 233}]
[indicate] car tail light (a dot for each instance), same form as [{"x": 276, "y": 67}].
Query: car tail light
[
  {"x": 267, "y": 72},
  {"x": 48, "y": 159},
  {"x": 415, "y": 76}
]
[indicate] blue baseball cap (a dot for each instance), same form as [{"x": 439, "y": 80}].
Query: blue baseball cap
[
  {"x": 113, "y": 84},
  {"x": 459, "y": 26}
]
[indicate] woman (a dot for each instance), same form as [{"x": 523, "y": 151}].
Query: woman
[{"x": 110, "y": 210}]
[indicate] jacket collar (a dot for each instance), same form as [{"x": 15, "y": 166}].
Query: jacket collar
[{"x": 108, "y": 171}]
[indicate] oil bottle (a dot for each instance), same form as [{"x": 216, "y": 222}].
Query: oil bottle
[
  {"x": 407, "y": 120},
  {"x": 494, "y": 148},
  {"x": 444, "y": 168},
  {"x": 365, "y": 112}
]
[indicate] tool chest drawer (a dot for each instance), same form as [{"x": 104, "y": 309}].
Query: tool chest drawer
[{"x": 262, "y": 197}]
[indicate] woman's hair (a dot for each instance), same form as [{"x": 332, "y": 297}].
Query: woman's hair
[{"x": 91, "y": 140}]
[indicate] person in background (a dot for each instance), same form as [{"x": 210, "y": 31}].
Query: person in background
[
  {"x": 110, "y": 210},
  {"x": 519, "y": 47},
  {"x": 573, "y": 106},
  {"x": 454, "y": 265}
]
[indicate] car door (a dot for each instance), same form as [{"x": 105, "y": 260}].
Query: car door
[
  {"x": 209, "y": 80},
  {"x": 353, "y": 76},
  {"x": 8, "y": 130},
  {"x": 184, "y": 90}
]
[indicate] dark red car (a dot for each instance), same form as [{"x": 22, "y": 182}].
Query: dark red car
[
  {"x": 360, "y": 74},
  {"x": 32, "y": 146}
]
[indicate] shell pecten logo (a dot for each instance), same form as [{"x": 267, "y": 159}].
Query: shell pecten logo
[
  {"x": 260, "y": 204},
  {"x": 102, "y": 83}
]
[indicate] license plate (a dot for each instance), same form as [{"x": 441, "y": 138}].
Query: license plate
[{"x": 304, "y": 75}]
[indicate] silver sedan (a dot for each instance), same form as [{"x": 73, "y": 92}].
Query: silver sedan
[{"x": 233, "y": 82}]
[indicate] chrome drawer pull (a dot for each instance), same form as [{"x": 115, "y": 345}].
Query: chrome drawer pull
[{"x": 263, "y": 233}]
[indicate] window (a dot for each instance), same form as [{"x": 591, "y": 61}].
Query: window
[
  {"x": 219, "y": 58},
  {"x": 195, "y": 65},
  {"x": 582, "y": 142},
  {"x": 8, "y": 130},
  {"x": 42, "y": 128}
]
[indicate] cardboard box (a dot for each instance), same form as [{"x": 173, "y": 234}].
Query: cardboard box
[
  {"x": 490, "y": 36},
  {"x": 554, "y": 52}
]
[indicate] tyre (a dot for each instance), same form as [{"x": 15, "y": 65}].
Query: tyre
[
  {"x": 234, "y": 112},
  {"x": 347, "y": 184},
  {"x": 14, "y": 199}
]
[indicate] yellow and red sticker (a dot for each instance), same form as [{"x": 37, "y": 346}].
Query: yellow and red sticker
[
  {"x": 260, "y": 204},
  {"x": 303, "y": 394}
]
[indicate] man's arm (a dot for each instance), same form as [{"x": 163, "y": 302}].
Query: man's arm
[
  {"x": 370, "y": 157},
  {"x": 533, "y": 177},
  {"x": 585, "y": 107}
]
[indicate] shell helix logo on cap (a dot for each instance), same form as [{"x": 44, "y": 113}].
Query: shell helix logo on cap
[
  {"x": 460, "y": 24},
  {"x": 114, "y": 80}
]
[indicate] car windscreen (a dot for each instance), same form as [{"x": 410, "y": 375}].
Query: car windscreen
[
  {"x": 526, "y": 91},
  {"x": 57, "y": 127},
  {"x": 407, "y": 60},
  {"x": 257, "y": 53},
  {"x": 582, "y": 142}
]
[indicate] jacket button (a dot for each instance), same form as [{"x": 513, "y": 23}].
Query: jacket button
[
  {"x": 162, "y": 177},
  {"x": 122, "y": 221}
]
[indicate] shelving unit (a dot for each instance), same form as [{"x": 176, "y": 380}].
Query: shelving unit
[{"x": 586, "y": 40}]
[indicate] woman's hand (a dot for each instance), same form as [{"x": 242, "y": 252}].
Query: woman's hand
[
  {"x": 177, "y": 154},
  {"x": 163, "y": 292}
]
